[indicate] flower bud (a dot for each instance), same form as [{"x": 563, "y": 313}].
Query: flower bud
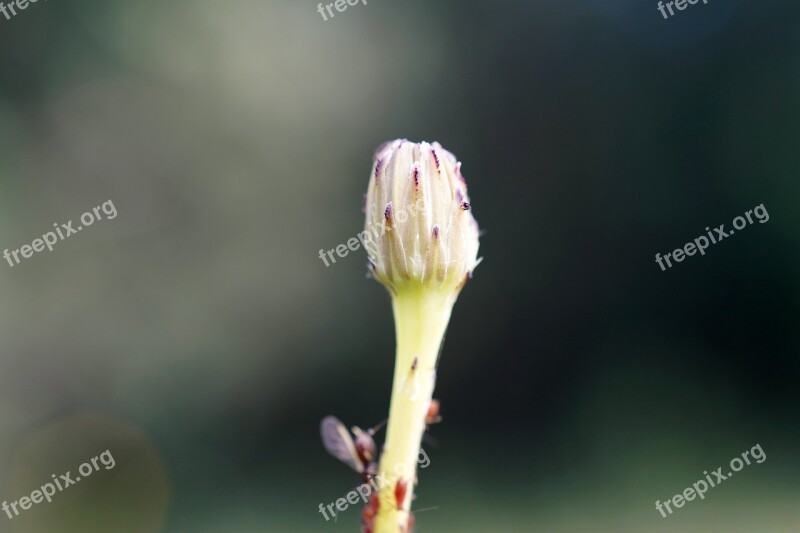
[{"x": 420, "y": 218}]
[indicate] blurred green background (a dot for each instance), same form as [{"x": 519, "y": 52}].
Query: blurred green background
[{"x": 199, "y": 337}]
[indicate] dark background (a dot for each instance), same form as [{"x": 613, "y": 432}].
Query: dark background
[{"x": 200, "y": 338}]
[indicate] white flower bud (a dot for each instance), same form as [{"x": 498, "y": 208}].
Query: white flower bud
[{"x": 420, "y": 219}]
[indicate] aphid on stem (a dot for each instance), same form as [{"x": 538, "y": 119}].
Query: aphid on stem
[
  {"x": 432, "y": 417},
  {"x": 369, "y": 513},
  {"x": 359, "y": 454},
  {"x": 400, "y": 490}
]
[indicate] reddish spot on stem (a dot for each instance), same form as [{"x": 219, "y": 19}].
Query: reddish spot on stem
[
  {"x": 400, "y": 490},
  {"x": 369, "y": 513}
]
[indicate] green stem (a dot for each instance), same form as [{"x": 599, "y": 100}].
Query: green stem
[{"x": 421, "y": 317}]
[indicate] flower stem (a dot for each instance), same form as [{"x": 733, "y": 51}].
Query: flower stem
[{"x": 421, "y": 316}]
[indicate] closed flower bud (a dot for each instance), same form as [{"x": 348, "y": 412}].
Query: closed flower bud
[{"x": 419, "y": 217}]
